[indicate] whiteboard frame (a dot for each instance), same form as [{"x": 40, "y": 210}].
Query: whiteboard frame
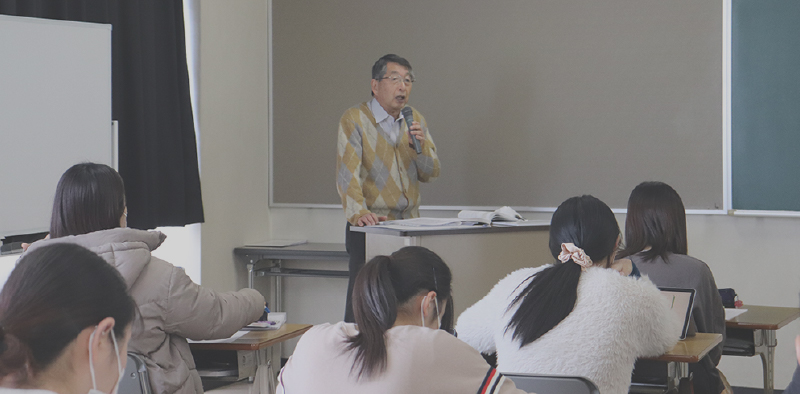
[{"x": 726, "y": 138}]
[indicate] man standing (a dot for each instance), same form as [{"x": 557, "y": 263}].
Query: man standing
[{"x": 377, "y": 169}]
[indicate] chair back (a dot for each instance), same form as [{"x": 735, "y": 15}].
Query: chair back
[
  {"x": 135, "y": 379},
  {"x": 553, "y": 384}
]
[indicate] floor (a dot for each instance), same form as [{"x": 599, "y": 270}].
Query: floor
[
  {"x": 750, "y": 390},
  {"x": 240, "y": 387}
]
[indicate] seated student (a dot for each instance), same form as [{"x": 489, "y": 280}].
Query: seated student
[
  {"x": 794, "y": 385},
  {"x": 396, "y": 346},
  {"x": 65, "y": 321},
  {"x": 89, "y": 210},
  {"x": 655, "y": 238},
  {"x": 578, "y": 316}
]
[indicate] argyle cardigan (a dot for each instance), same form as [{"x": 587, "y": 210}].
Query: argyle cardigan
[{"x": 373, "y": 175}]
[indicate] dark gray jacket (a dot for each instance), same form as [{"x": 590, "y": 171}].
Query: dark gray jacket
[{"x": 708, "y": 314}]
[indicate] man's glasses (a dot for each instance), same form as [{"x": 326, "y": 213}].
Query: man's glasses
[{"x": 396, "y": 79}]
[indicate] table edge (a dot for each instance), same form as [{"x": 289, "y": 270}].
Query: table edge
[{"x": 250, "y": 346}]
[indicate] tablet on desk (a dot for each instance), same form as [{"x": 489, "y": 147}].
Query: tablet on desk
[{"x": 682, "y": 302}]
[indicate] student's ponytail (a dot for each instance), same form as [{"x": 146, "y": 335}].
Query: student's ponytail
[
  {"x": 15, "y": 358},
  {"x": 550, "y": 295},
  {"x": 375, "y": 310},
  {"x": 385, "y": 284}
]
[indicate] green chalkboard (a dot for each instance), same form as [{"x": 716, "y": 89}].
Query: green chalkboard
[{"x": 765, "y": 104}]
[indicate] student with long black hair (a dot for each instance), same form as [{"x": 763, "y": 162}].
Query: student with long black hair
[
  {"x": 655, "y": 238},
  {"x": 578, "y": 316},
  {"x": 65, "y": 321},
  {"x": 399, "y": 344}
]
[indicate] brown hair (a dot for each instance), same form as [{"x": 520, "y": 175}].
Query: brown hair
[
  {"x": 656, "y": 218},
  {"x": 53, "y": 294},
  {"x": 382, "y": 286}
]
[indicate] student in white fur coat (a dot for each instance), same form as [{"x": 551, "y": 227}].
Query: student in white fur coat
[{"x": 579, "y": 316}]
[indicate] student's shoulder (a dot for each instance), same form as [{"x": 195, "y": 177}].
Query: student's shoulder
[
  {"x": 511, "y": 282},
  {"x": 326, "y": 334},
  {"x": 523, "y": 274},
  {"x": 612, "y": 283},
  {"x": 686, "y": 260},
  {"x": 333, "y": 329}
]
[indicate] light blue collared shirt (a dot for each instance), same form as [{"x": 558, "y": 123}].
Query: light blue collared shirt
[{"x": 389, "y": 124}]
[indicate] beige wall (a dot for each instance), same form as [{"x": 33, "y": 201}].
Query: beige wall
[
  {"x": 233, "y": 134},
  {"x": 752, "y": 255}
]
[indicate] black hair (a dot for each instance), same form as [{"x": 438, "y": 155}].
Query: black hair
[
  {"x": 656, "y": 218},
  {"x": 89, "y": 197},
  {"x": 382, "y": 286},
  {"x": 379, "y": 68},
  {"x": 53, "y": 294},
  {"x": 550, "y": 295}
]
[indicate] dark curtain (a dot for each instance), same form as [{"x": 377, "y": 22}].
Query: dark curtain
[{"x": 150, "y": 82}]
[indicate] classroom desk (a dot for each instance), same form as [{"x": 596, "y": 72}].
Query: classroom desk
[
  {"x": 253, "y": 255},
  {"x": 685, "y": 352},
  {"x": 764, "y": 321},
  {"x": 478, "y": 256},
  {"x": 253, "y": 349}
]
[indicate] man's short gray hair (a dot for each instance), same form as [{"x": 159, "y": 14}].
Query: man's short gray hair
[{"x": 379, "y": 68}]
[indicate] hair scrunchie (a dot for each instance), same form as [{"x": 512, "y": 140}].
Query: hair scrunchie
[{"x": 571, "y": 252}]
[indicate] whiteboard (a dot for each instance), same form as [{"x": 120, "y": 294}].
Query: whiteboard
[
  {"x": 55, "y": 111},
  {"x": 529, "y": 102}
]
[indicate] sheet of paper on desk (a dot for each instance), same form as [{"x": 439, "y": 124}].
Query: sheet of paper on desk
[
  {"x": 424, "y": 222},
  {"x": 522, "y": 223},
  {"x": 223, "y": 340},
  {"x": 730, "y": 313}
]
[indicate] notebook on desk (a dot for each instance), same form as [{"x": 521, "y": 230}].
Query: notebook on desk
[{"x": 682, "y": 303}]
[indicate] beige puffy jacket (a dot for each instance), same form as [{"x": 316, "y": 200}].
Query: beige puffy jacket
[{"x": 171, "y": 306}]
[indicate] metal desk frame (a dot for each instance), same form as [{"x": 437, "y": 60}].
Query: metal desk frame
[
  {"x": 274, "y": 257},
  {"x": 764, "y": 321}
]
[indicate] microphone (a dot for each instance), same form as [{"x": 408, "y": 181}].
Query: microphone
[{"x": 408, "y": 115}]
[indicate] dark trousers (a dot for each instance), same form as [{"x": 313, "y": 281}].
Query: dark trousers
[
  {"x": 356, "y": 245},
  {"x": 794, "y": 385}
]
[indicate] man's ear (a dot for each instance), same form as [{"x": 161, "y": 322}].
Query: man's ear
[{"x": 374, "y": 85}]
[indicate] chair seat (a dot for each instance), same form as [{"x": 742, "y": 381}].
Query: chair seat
[{"x": 553, "y": 384}]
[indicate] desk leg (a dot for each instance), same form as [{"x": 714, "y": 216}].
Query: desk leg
[
  {"x": 766, "y": 349},
  {"x": 264, "y": 382},
  {"x": 251, "y": 273},
  {"x": 277, "y": 306},
  {"x": 675, "y": 372}
]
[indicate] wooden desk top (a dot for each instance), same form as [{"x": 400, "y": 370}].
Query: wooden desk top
[
  {"x": 256, "y": 340},
  {"x": 691, "y": 349},
  {"x": 764, "y": 317}
]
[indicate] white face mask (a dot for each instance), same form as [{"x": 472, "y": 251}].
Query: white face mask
[
  {"x": 422, "y": 311},
  {"x": 94, "y": 389}
]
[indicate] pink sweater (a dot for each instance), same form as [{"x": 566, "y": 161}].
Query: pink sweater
[{"x": 420, "y": 360}]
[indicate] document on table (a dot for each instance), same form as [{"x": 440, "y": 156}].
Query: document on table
[
  {"x": 730, "y": 313},
  {"x": 233, "y": 337},
  {"x": 424, "y": 222},
  {"x": 522, "y": 223}
]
